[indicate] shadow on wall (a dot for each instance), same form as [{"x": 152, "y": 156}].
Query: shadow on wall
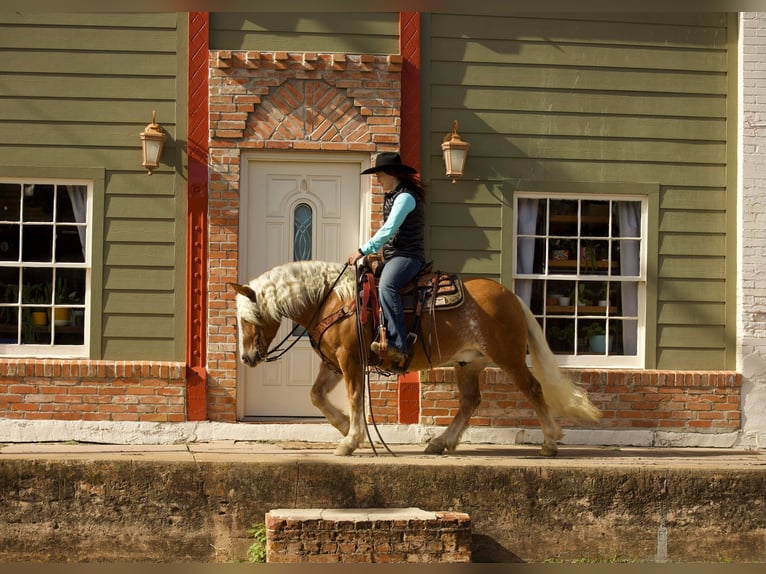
[{"x": 488, "y": 550}]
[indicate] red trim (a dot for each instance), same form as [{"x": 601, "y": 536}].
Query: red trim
[
  {"x": 196, "y": 222},
  {"x": 409, "y": 48},
  {"x": 408, "y": 398}
]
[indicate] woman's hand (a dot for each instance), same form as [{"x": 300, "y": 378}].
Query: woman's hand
[{"x": 354, "y": 257}]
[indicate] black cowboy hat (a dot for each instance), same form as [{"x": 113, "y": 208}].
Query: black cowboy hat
[{"x": 389, "y": 161}]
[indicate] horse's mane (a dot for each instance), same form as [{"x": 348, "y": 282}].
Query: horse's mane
[{"x": 288, "y": 289}]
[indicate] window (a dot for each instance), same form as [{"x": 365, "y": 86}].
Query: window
[
  {"x": 44, "y": 267},
  {"x": 580, "y": 267}
]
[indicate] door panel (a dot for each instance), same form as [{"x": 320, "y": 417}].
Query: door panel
[{"x": 331, "y": 190}]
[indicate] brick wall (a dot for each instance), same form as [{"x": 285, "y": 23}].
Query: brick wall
[
  {"x": 752, "y": 290},
  {"x": 681, "y": 401},
  {"x": 47, "y": 389},
  {"x": 259, "y": 100},
  {"x": 383, "y": 535}
]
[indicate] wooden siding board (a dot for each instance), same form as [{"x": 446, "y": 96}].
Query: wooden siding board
[
  {"x": 682, "y": 313},
  {"x": 140, "y": 208},
  {"x": 560, "y": 56},
  {"x": 691, "y": 290},
  {"x": 581, "y": 81},
  {"x": 690, "y": 359},
  {"x": 365, "y": 33},
  {"x": 73, "y": 134},
  {"x": 586, "y": 125},
  {"x": 142, "y": 231},
  {"x": 124, "y": 349},
  {"x": 506, "y": 164},
  {"x": 140, "y": 279},
  {"x": 153, "y": 20},
  {"x": 514, "y": 100},
  {"x": 681, "y": 267},
  {"x": 95, "y": 63},
  {"x": 472, "y": 239},
  {"x": 82, "y": 88},
  {"x": 557, "y": 147},
  {"x": 53, "y": 109},
  {"x": 692, "y": 244},
  {"x": 87, "y": 39},
  {"x": 139, "y": 303},
  {"x": 139, "y": 255},
  {"x": 593, "y": 28}
]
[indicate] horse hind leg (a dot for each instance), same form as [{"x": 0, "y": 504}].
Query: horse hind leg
[
  {"x": 470, "y": 397},
  {"x": 526, "y": 382},
  {"x": 324, "y": 383}
]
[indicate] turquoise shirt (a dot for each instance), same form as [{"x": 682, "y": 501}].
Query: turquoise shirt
[{"x": 403, "y": 204}]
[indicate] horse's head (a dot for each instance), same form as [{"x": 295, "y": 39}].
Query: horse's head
[{"x": 255, "y": 333}]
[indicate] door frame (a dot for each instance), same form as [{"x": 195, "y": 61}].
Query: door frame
[{"x": 269, "y": 156}]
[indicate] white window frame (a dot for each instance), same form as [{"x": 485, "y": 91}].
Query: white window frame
[
  {"x": 51, "y": 350},
  {"x": 590, "y": 360}
]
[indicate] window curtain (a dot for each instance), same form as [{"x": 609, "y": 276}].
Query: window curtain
[
  {"x": 78, "y": 197},
  {"x": 525, "y": 254},
  {"x": 629, "y": 216}
]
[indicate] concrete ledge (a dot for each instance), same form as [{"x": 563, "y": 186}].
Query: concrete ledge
[
  {"x": 369, "y": 535},
  {"x": 146, "y": 433}
]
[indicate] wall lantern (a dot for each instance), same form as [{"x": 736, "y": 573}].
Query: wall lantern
[
  {"x": 455, "y": 151},
  {"x": 152, "y": 141}
]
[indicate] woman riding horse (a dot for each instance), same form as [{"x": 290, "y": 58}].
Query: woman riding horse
[{"x": 402, "y": 238}]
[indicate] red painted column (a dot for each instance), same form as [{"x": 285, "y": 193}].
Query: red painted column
[
  {"x": 196, "y": 222},
  {"x": 408, "y": 397}
]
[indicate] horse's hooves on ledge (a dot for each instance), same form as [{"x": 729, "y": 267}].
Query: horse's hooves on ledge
[{"x": 546, "y": 451}]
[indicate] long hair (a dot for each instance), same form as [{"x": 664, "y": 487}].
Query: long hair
[{"x": 411, "y": 181}]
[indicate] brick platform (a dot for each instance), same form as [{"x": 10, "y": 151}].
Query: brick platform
[{"x": 367, "y": 535}]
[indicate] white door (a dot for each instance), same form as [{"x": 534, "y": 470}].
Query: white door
[{"x": 302, "y": 208}]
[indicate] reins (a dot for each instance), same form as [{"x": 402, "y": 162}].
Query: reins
[{"x": 361, "y": 343}]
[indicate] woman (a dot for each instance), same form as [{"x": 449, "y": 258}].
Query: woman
[{"x": 402, "y": 239}]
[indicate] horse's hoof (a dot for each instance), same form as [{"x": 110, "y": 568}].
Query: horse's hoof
[
  {"x": 549, "y": 450},
  {"x": 344, "y": 450},
  {"x": 434, "y": 448}
]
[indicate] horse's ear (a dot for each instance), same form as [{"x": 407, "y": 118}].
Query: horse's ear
[{"x": 243, "y": 290}]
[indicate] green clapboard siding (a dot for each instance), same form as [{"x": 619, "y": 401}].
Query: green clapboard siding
[
  {"x": 600, "y": 100},
  {"x": 75, "y": 92},
  {"x": 356, "y": 33}
]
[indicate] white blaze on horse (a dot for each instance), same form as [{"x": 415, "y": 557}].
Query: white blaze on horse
[{"x": 491, "y": 326}]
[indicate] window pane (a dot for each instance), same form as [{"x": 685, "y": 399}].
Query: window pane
[
  {"x": 37, "y": 241},
  {"x": 9, "y": 242},
  {"x": 38, "y": 203},
  {"x": 70, "y": 286},
  {"x": 303, "y": 227},
  {"x": 10, "y": 201},
  {"x": 69, "y": 248},
  {"x": 37, "y": 286}
]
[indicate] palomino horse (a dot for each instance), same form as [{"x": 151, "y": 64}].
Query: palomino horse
[{"x": 492, "y": 326}]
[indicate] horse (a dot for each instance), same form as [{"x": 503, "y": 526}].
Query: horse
[{"x": 493, "y": 325}]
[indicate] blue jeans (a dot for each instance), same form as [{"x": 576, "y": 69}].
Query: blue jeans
[{"x": 397, "y": 272}]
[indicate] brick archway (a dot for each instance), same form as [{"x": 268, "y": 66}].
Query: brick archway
[{"x": 281, "y": 101}]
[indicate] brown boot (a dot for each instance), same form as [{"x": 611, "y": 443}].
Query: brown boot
[{"x": 399, "y": 360}]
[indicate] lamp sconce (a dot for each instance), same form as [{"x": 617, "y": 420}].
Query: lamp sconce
[
  {"x": 455, "y": 152},
  {"x": 152, "y": 142}
]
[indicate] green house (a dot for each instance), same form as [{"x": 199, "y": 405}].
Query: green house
[{"x": 604, "y": 184}]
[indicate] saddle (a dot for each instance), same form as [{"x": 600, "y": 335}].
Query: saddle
[{"x": 439, "y": 291}]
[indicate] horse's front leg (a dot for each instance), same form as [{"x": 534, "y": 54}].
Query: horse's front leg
[
  {"x": 323, "y": 385},
  {"x": 354, "y": 378},
  {"x": 470, "y": 397}
]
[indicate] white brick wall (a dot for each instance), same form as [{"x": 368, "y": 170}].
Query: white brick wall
[{"x": 751, "y": 293}]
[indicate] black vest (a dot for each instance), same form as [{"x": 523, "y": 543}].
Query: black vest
[{"x": 408, "y": 241}]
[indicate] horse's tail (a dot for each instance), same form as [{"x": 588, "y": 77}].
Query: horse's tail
[{"x": 563, "y": 395}]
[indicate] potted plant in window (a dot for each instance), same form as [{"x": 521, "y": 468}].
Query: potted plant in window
[
  {"x": 595, "y": 333},
  {"x": 64, "y": 296}
]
